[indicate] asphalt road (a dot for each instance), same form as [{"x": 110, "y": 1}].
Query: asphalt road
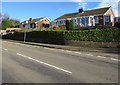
[{"x": 33, "y": 64}]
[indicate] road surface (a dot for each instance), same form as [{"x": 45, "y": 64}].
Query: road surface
[{"x": 33, "y": 64}]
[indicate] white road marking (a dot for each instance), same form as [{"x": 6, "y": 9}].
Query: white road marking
[
  {"x": 49, "y": 48},
  {"x": 35, "y": 46},
  {"x": 78, "y": 52},
  {"x": 45, "y": 63},
  {"x": 101, "y": 56},
  {"x": 114, "y": 59},
  {"x": 17, "y": 43},
  {"x": 5, "y": 49},
  {"x": 68, "y": 51},
  {"x": 90, "y": 54}
]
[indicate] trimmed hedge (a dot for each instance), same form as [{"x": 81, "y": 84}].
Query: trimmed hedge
[{"x": 59, "y": 37}]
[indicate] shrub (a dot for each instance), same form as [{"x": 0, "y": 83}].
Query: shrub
[
  {"x": 54, "y": 27},
  {"x": 69, "y": 24},
  {"x": 60, "y": 26},
  {"x": 7, "y": 24}
]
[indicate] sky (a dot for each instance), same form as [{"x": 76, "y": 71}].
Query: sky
[{"x": 25, "y": 10}]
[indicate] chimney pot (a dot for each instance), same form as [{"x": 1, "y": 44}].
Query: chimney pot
[
  {"x": 81, "y": 10},
  {"x": 30, "y": 19}
]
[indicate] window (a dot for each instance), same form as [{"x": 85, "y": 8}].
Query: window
[
  {"x": 60, "y": 22},
  {"x": 96, "y": 20},
  {"x": 83, "y": 21},
  {"x": 78, "y": 20},
  {"x": 107, "y": 18},
  {"x": 86, "y": 21},
  {"x": 118, "y": 19}
]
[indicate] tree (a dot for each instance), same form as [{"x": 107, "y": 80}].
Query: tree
[
  {"x": 16, "y": 21},
  {"x": 6, "y": 17},
  {"x": 7, "y": 24},
  {"x": 6, "y": 21},
  {"x": 69, "y": 24}
]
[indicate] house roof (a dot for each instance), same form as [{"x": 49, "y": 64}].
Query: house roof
[
  {"x": 33, "y": 21},
  {"x": 85, "y": 13}
]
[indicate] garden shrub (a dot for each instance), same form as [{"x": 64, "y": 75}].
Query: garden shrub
[{"x": 69, "y": 24}]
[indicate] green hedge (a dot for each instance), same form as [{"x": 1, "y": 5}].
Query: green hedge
[
  {"x": 69, "y": 24},
  {"x": 98, "y": 35}
]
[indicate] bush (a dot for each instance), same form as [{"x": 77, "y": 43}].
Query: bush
[
  {"x": 7, "y": 24},
  {"x": 69, "y": 24},
  {"x": 93, "y": 27},
  {"x": 60, "y": 26},
  {"x": 98, "y": 35},
  {"x": 54, "y": 27}
]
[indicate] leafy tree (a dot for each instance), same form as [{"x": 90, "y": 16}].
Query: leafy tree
[
  {"x": 7, "y": 24},
  {"x": 16, "y": 22},
  {"x": 6, "y": 21}
]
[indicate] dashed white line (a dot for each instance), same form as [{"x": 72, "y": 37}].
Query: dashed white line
[
  {"x": 90, "y": 54},
  {"x": 5, "y": 49},
  {"x": 49, "y": 48},
  {"x": 78, "y": 52},
  {"x": 68, "y": 51},
  {"x": 45, "y": 63},
  {"x": 114, "y": 59},
  {"x": 101, "y": 56},
  {"x": 35, "y": 46}
]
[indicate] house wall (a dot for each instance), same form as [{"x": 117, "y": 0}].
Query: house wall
[
  {"x": 110, "y": 12},
  {"x": 45, "y": 21},
  {"x": 100, "y": 20},
  {"x": 76, "y": 22}
]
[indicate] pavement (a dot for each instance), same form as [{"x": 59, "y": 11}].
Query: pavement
[
  {"x": 72, "y": 48},
  {"x": 26, "y": 63}
]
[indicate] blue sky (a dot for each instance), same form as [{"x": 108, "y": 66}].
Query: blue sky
[{"x": 52, "y": 10}]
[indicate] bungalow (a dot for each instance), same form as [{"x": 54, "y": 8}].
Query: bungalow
[
  {"x": 101, "y": 16},
  {"x": 35, "y": 23},
  {"x": 117, "y": 19}
]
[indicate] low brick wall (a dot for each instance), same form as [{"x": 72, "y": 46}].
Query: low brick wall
[{"x": 92, "y": 44}]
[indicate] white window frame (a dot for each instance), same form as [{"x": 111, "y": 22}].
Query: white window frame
[
  {"x": 96, "y": 19},
  {"x": 107, "y": 20}
]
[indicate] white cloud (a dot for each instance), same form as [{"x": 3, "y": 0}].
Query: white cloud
[
  {"x": 103, "y": 3},
  {"x": 106, "y": 3},
  {"x": 82, "y": 5}
]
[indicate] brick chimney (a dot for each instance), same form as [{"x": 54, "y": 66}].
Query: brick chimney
[
  {"x": 30, "y": 19},
  {"x": 81, "y": 10}
]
